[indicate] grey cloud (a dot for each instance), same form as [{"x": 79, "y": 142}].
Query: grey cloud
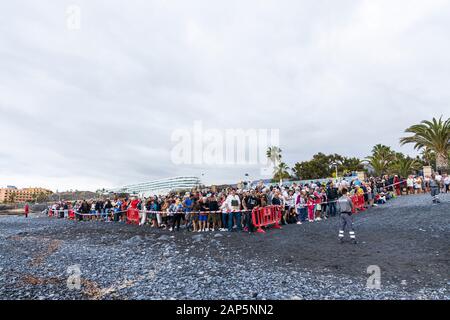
[{"x": 96, "y": 107}]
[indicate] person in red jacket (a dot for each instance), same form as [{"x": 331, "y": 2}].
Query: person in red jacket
[
  {"x": 133, "y": 211},
  {"x": 134, "y": 203},
  {"x": 27, "y": 210}
]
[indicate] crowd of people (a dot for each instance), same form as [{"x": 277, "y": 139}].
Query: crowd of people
[
  {"x": 436, "y": 183},
  {"x": 231, "y": 208}
]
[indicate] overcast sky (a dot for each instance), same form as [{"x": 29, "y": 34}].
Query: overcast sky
[{"x": 96, "y": 107}]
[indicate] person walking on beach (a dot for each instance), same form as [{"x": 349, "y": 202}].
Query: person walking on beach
[
  {"x": 434, "y": 187},
  {"x": 346, "y": 208},
  {"x": 27, "y": 210}
]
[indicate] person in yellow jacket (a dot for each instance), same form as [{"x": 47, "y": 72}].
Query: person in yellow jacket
[{"x": 359, "y": 191}]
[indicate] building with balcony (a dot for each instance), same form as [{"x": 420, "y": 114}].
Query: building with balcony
[{"x": 15, "y": 195}]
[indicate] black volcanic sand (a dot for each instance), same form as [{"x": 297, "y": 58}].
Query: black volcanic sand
[{"x": 408, "y": 238}]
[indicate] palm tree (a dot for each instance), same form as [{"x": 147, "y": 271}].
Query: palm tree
[
  {"x": 404, "y": 166},
  {"x": 377, "y": 165},
  {"x": 433, "y": 135},
  {"x": 383, "y": 152},
  {"x": 351, "y": 164},
  {"x": 381, "y": 158},
  {"x": 281, "y": 172},
  {"x": 428, "y": 156},
  {"x": 274, "y": 155}
]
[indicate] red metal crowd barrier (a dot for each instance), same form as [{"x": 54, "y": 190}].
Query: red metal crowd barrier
[
  {"x": 133, "y": 216},
  {"x": 263, "y": 217}
]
